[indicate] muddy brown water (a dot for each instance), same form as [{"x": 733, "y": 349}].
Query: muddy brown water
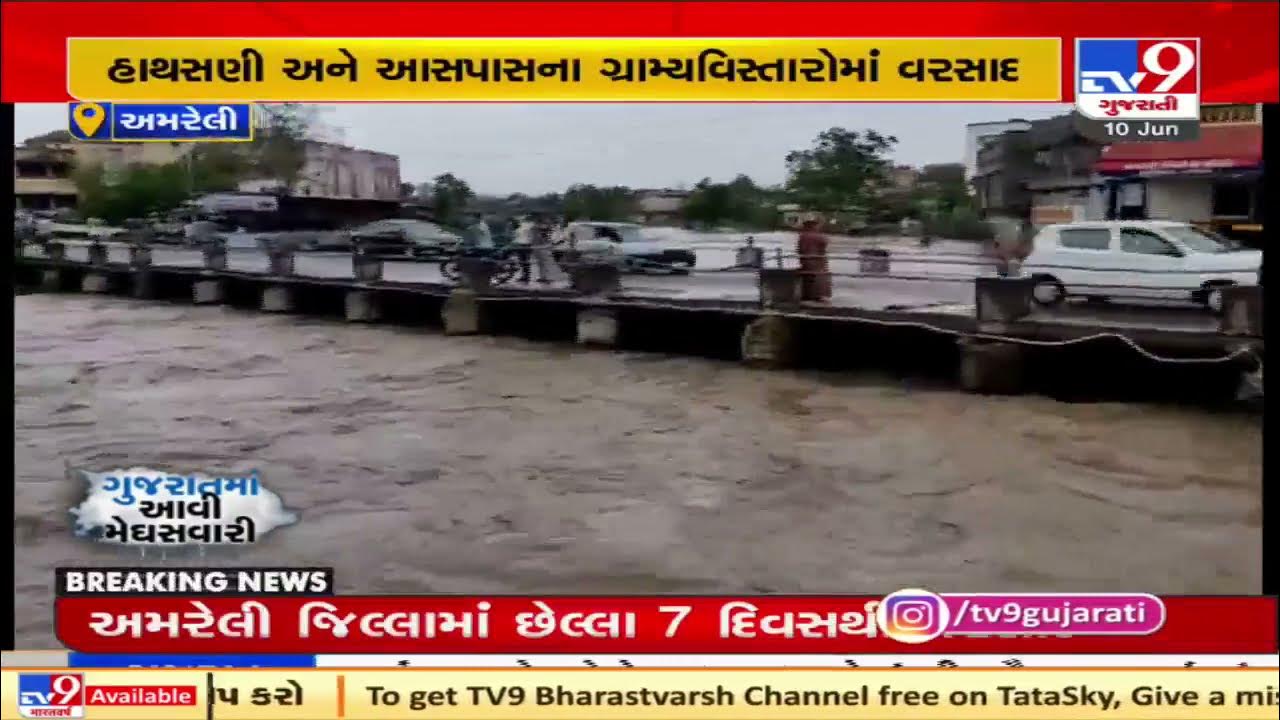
[{"x": 421, "y": 463}]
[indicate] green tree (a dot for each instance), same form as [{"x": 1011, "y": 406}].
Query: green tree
[
  {"x": 588, "y": 202},
  {"x": 280, "y": 141},
  {"x": 449, "y": 196},
  {"x": 135, "y": 193},
  {"x": 843, "y": 169}
]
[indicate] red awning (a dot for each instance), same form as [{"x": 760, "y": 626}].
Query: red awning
[{"x": 1218, "y": 147}]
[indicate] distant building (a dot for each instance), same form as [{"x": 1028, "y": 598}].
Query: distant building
[
  {"x": 978, "y": 133},
  {"x": 1214, "y": 180},
  {"x": 340, "y": 172}
]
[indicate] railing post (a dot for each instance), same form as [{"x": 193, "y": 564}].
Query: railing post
[
  {"x": 1000, "y": 300},
  {"x": 749, "y": 256},
  {"x": 476, "y": 274},
  {"x": 1241, "y": 311},
  {"x": 779, "y": 287},
  {"x": 595, "y": 278},
  {"x": 215, "y": 255},
  {"x": 139, "y": 256},
  {"x": 365, "y": 268},
  {"x": 98, "y": 253},
  {"x": 280, "y": 262}
]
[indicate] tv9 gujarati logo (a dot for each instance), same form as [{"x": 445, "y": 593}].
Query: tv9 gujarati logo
[
  {"x": 1155, "y": 79},
  {"x": 913, "y": 616}
]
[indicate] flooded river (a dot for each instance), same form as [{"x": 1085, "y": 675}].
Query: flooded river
[{"x": 421, "y": 463}]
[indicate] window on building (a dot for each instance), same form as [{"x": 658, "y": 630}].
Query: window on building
[
  {"x": 1085, "y": 238},
  {"x": 1232, "y": 200},
  {"x": 1144, "y": 242}
]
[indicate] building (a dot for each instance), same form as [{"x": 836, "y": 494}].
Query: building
[
  {"x": 1215, "y": 180},
  {"x": 1003, "y": 165},
  {"x": 1062, "y": 186},
  {"x": 336, "y": 171},
  {"x": 44, "y": 166},
  {"x": 976, "y": 134}
]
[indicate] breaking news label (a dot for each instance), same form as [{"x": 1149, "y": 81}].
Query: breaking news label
[
  {"x": 121, "y": 122},
  {"x": 1138, "y": 90}
]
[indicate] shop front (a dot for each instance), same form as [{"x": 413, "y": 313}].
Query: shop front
[{"x": 1214, "y": 181}]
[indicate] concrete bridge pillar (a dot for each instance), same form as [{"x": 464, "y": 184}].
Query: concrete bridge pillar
[
  {"x": 768, "y": 341},
  {"x": 96, "y": 283},
  {"x": 98, "y": 254},
  {"x": 144, "y": 284},
  {"x": 362, "y": 306},
  {"x": 280, "y": 262},
  {"x": 595, "y": 278},
  {"x": 277, "y": 299},
  {"x": 462, "y": 313},
  {"x": 207, "y": 292},
  {"x": 779, "y": 287},
  {"x": 365, "y": 268},
  {"x": 991, "y": 368},
  {"x": 215, "y": 256},
  {"x": 598, "y": 327},
  {"x": 55, "y": 251}
]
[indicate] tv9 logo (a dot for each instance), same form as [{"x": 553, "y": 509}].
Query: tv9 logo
[
  {"x": 1142, "y": 79},
  {"x": 51, "y": 695},
  {"x": 913, "y": 616}
]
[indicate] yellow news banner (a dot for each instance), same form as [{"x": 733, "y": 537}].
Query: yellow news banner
[
  {"x": 644, "y": 694},
  {"x": 564, "y": 69}
]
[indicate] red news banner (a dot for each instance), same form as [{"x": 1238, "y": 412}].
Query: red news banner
[
  {"x": 575, "y": 624},
  {"x": 1238, "y": 39}
]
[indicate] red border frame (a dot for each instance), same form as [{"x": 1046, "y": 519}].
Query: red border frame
[{"x": 1238, "y": 52}]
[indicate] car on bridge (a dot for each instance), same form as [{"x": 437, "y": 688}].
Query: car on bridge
[
  {"x": 416, "y": 239},
  {"x": 1137, "y": 260},
  {"x": 627, "y": 244}
]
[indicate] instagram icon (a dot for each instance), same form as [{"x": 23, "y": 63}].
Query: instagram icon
[{"x": 913, "y": 616}]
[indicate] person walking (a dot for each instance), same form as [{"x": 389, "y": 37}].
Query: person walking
[
  {"x": 478, "y": 235},
  {"x": 522, "y": 246},
  {"x": 815, "y": 275},
  {"x": 540, "y": 242}
]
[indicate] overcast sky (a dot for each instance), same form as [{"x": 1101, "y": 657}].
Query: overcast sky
[{"x": 506, "y": 148}]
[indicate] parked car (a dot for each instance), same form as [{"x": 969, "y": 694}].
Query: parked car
[
  {"x": 627, "y": 242},
  {"x": 1158, "y": 260},
  {"x": 417, "y": 239}
]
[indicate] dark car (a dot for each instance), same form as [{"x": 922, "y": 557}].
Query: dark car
[{"x": 402, "y": 237}]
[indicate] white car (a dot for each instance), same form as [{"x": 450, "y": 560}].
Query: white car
[
  {"x": 627, "y": 243},
  {"x": 1137, "y": 259}
]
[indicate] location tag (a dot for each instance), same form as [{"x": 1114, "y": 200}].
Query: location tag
[{"x": 88, "y": 118}]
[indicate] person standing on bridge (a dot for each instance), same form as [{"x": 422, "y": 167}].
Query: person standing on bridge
[
  {"x": 522, "y": 244},
  {"x": 815, "y": 275},
  {"x": 478, "y": 235},
  {"x": 541, "y": 241}
]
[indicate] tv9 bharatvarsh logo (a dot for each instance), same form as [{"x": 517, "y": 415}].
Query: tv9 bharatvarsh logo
[
  {"x": 155, "y": 508},
  {"x": 1157, "y": 79},
  {"x": 50, "y": 695},
  {"x": 913, "y": 616}
]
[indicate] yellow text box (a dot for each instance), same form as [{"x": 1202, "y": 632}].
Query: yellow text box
[
  {"x": 746, "y": 694},
  {"x": 565, "y": 69}
]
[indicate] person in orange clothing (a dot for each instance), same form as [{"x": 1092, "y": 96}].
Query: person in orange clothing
[{"x": 815, "y": 275}]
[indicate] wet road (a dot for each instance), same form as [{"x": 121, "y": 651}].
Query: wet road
[{"x": 421, "y": 463}]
